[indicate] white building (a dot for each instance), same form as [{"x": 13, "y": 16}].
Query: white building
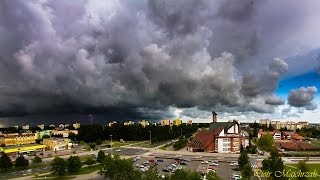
[
  {"x": 25, "y": 127},
  {"x": 41, "y": 126}
]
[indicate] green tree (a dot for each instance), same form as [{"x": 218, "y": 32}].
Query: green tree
[
  {"x": 89, "y": 161},
  {"x": 98, "y": 142},
  {"x": 243, "y": 159},
  {"x": 5, "y": 162},
  {"x": 273, "y": 164},
  {"x": 151, "y": 174},
  {"x": 72, "y": 136},
  {"x": 266, "y": 142},
  {"x": 46, "y": 136},
  {"x": 92, "y": 145},
  {"x": 246, "y": 171},
  {"x": 101, "y": 156},
  {"x": 58, "y": 166},
  {"x": 73, "y": 164},
  {"x": 184, "y": 174},
  {"x": 120, "y": 169},
  {"x": 21, "y": 162},
  {"x": 302, "y": 166},
  {"x": 37, "y": 160},
  {"x": 213, "y": 176}
]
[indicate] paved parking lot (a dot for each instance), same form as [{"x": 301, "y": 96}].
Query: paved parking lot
[{"x": 224, "y": 169}]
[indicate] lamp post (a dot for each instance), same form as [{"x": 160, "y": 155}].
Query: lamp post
[
  {"x": 111, "y": 140},
  {"x": 90, "y": 119},
  {"x": 150, "y": 136}
]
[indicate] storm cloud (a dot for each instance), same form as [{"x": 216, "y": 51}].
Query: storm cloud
[
  {"x": 302, "y": 97},
  {"x": 146, "y": 56}
]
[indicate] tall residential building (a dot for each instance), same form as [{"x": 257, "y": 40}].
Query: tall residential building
[
  {"x": 177, "y": 122},
  {"x": 165, "y": 122},
  {"x": 16, "y": 126},
  {"x": 144, "y": 123},
  {"x": 290, "y": 125},
  {"x": 76, "y": 125},
  {"x": 52, "y": 126},
  {"x": 128, "y": 123},
  {"x": 112, "y": 123},
  {"x": 61, "y": 126},
  {"x": 25, "y": 127},
  {"x": 41, "y": 126}
]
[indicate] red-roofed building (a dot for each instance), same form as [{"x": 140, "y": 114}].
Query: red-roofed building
[{"x": 221, "y": 137}]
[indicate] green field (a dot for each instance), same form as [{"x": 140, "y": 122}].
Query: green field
[
  {"x": 311, "y": 168},
  {"x": 84, "y": 170},
  {"x": 119, "y": 144}
]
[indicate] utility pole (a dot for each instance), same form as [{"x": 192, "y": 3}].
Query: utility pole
[
  {"x": 111, "y": 140},
  {"x": 90, "y": 119},
  {"x": 150, "y": 136}
]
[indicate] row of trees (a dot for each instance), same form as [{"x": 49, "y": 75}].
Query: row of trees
[
  {"x": 182, "y": 142},
  {"x": 60, "y": 167},
  {"x": 122, "y": 169},
  {"x": 244, "y": 165},
  {"x": 90, "y": 133},
  {"x": 20, "y": 162}
]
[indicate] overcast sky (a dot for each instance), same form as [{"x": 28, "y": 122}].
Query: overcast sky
[{"x": 160, "y": 59}]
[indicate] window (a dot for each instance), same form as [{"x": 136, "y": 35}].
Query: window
[
  {"x": 226, "y": 149},
  {"x": 226, "y": 140}
]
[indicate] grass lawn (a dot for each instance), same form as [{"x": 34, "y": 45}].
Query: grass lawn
[
  {"x": 317, "y": 143},
  {"x": 303, "y": 153},
  {"x": 85, "y": 157},
  {"x": 119, "y": 144},
  {"x": 84, "y": 170},
  {"x": 146, "y": 144},
  {"x": 311, "y": 167}
]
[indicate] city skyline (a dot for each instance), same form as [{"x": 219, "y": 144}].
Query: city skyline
[{"x": 132, "y": 60}]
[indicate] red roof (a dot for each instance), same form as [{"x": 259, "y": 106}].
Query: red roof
[{"x": 204, "y": 137}]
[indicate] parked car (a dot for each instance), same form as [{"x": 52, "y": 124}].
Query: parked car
[
  {"x": 204, "y": 162},
  {"x": 160, "y": 160},
  {"x": 236, "y": 177},
  {"x": 234, "y": 163}
]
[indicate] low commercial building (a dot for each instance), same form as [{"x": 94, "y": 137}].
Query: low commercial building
[
  {"x": 40, "y": 134},
  {"x": 23, "y": 149},
  {"x": 17, "y": 139},
  {"x": 56, "y": 144}
]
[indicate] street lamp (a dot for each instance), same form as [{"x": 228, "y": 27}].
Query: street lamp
[
  {"x": 150, "y": 136},
  {"x": 111, "y": 140},
  {"x": 90, "y": 118}
]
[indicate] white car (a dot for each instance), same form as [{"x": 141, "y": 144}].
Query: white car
[
  {"x": 204, "y": 162},
  {"x": 236, "y": 177},
  {"x": 118, "y": 150},
  {"x": 209, "y": 170},
  {"x": 234, "y": 163}
]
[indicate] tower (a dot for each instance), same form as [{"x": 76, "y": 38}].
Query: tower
[{"x": 214, "y": 117}]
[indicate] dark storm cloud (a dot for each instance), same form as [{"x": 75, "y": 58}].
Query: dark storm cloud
[
  {"x": 302, "y": 97},
  {"x": 139, "y": 56}
]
